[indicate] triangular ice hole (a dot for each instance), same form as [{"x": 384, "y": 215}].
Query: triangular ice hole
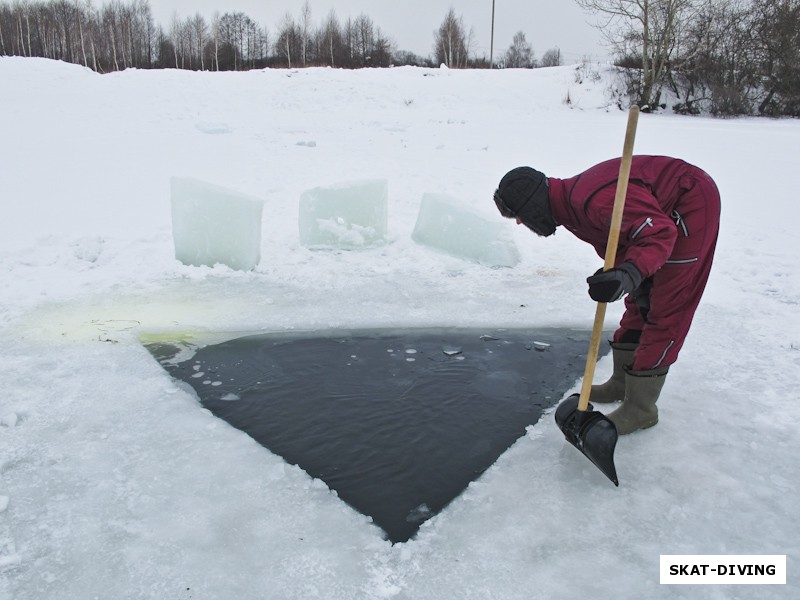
[{"x": 398, "y": 422}]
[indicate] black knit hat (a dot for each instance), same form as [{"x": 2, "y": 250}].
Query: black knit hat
[{"x": 523, "y": 194}]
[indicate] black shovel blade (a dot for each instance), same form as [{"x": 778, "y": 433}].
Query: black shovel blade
[{"x": 591, "y": 432}]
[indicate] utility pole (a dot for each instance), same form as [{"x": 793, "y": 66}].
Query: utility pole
[{"x": 491, "y": 42}]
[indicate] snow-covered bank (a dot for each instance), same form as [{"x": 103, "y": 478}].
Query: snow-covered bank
[{"x": 119, "y": 485}]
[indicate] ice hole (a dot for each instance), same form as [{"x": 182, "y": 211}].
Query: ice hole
[{"x": 397, "y": 440}]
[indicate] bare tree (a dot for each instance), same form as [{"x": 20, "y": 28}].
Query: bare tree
[
  {"x": 363, "y": 41},
  {"x": 777, "y": 34},
  {"x": 551, "y": 58},
  {"x": 382, "y": 50},
  {"x": 288, "y": 37},
  {"x": 305, "y": 31},
  {"x": 237, "y": 41},
  {"x": 715, "y": 66},
  {"x": 520, "y": 54},
  {"x": 226, "y": 47},
  {"x": 216, "y": 34},
  {"x": 264, "y": 44},
  {"x": 5, "y": 15},
  {"x": 331, "y": 39},
  {"x": 452, "y": 44},
  {"x": 80, "y": 18},
  {"x": 645, "y": 31},
  {"x": 26, "y": 12},
  {"x": 199, "y": 35}
]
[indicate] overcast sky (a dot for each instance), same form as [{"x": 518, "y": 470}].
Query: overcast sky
[{"x": 411, "y": 23}]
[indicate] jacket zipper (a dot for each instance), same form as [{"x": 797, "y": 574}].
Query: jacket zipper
[
  {"x": 648, "y": 222},
  {"x": 676, "y": 216}
]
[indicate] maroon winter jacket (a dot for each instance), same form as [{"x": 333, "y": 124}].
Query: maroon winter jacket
[{"x": 584, "y": 203}]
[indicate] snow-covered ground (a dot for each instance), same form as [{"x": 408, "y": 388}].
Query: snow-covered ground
[{"x": 115, "y": 483}]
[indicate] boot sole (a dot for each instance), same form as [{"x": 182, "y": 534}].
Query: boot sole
[{"x": 648, "y": 426}]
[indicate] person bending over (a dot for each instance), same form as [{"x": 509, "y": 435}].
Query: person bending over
[{"x": 666, "y": 246}]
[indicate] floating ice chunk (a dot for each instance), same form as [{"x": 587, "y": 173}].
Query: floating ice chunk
[
  {"x": 451, "y": 351},
  {"x": 419, "y": 514},
  {"x": 214, "y": 225},
  {"x": 3, "y": 503},
  {"x": 445, "y": 224},
  {"x": 346, "y": 216},
  {"x": 9, "y": 420}
]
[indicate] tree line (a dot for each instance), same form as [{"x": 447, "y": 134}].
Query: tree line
[
  {"x": 123, "y": 34},
  {"x": 728, "y": 57}
]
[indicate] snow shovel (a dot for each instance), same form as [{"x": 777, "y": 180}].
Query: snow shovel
[{"x": 590, "y": 431}]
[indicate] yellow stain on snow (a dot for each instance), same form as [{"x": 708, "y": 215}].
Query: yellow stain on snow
[{"x": 169, "y": 318}]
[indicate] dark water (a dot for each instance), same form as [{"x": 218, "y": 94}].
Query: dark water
[{"x": 397, "y": 422}]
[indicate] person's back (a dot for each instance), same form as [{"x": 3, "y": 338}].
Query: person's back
[{"x": 661, "y": 175}]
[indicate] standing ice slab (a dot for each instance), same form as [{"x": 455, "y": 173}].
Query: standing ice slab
[
  {"x": 445, "y": 224},
  {"x": 347, "y": 216},
  {"x": 214, "y": 225}
]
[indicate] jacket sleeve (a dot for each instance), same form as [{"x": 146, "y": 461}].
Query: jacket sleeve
[{"x": 647, "y": 235}]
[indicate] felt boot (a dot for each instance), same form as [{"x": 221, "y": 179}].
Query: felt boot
[
  {"x": 638, "y": 410},
  {"x": 613, "y": 390}
]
